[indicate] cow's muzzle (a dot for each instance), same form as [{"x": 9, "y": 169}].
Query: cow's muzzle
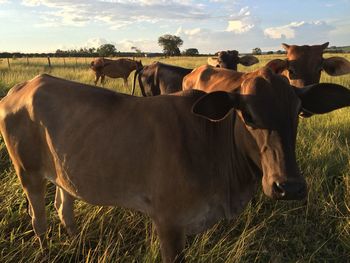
[{"x": 289, "y": 190}]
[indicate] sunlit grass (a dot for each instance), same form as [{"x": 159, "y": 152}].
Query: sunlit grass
[{"x": 317, "y": 230}]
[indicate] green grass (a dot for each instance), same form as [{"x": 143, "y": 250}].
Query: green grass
[{"x": 315, "y": 230}]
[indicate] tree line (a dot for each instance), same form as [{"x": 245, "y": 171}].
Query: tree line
[{"x": 170, "y": 44}]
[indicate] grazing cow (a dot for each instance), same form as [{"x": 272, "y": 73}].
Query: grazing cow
[
  {"x": 230, "y": 59},
  {"x": 159, "y": 78},
  {"x": 304, "y": 64},
  {"x": 119, "y": 68},
  {"x": 207, "y": 170}
]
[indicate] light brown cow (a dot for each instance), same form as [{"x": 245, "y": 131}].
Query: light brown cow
[
  {"x": 209, "y": 79},
  {"x": 119, "y": 68},
  {"x": 193, "y": 168},
  {"x": 304, "y": 64}
]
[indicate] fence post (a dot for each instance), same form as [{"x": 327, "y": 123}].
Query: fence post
[
  {"x": 49, "y": 61},
  {"x": 27, "y": 60},
  {"x": 8, "y": 63},
  {"x": 76, "y": 61},
  {"x": 64, "y": 61}
]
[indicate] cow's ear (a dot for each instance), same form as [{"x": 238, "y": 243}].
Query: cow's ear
[
  {"x": 325, "y": 45},
  {"x": 248, "y": 60},
  {"x": 285, "y": 46},
  {"x": 336, "y": 66},
  {"x": 323, "y": 97},
  {"x": 215, "y": 106},
  {"x": 277, "y": 65}
]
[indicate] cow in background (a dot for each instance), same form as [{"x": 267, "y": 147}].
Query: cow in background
[
  {"x": 304, "y": 64},
  {"x": 159, "y": 78},
  {"x": 230, "y": 59},
  {"x": 119, "y": 68}
]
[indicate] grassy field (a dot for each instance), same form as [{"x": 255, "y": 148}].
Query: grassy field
[{"x": 315, "y": 230}]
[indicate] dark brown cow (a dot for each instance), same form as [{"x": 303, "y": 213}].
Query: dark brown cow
[
  {"x": 196, "y": 168},
  {"x": 119, "y": 68},
  {"x": 159, "y": 78},
  {"x": 304, "y": 64},
  {"x": 230, "y": 59}
]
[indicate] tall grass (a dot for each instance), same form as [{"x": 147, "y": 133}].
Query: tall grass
[{"x": 315, "y": 230}]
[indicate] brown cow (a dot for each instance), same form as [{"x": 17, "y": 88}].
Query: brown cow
[
  {"x": 159, "y": 78},
  {"x": 304, "y": 64},
  {"x": 196, "y": 168},
  {"x": 119, "y": 68},
  {"x": 208, "y": 79},
  {"x": 230, "y": 59}
]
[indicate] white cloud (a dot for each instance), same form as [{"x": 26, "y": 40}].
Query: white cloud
[
  {"x": 119, "y": 13},
  {"x": 238, "y": 26},
  {"x": 241, "y": 22},
  {"x": 299, "y": 30},
  {"x": 4, "y": 2}
]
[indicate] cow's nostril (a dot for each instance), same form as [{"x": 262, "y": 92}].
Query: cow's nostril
[{"x": 279, "y": 189}]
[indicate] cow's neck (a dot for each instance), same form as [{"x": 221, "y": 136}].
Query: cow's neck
[{"x": 240, "y": 177}]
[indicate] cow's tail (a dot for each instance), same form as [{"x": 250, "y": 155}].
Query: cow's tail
[{"x": 137, "y": 72}]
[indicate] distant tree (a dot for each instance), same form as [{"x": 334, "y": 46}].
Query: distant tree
[
  {"x": 269, "y": 52},
  {"x": 137, "y": 50},
  {"x": 170, "y": 44},
  {"x": 106, "y": 50},
  {"x": 191, "y": 52},
  {"x": 280, "y": 52},
  {"x": 256, "y": 51}
]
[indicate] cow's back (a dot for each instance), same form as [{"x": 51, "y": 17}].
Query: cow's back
[
  {"x": 119, "y": 68},
  {"x": 209, "y": 79}
]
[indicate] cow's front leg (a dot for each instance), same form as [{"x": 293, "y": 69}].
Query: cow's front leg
[
  {"x": 64, "y": 204},
  {"x": 172, "y": 242}
]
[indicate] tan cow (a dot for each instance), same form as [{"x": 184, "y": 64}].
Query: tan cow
[
  {"x": 119, "y": 68},
  {"x": 193, "y": 168},
  {"x": 209, "y": 79},
  {"x": 304, "y": 64}
]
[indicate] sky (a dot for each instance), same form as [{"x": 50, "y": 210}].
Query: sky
[{"x": 208, "y": 25}]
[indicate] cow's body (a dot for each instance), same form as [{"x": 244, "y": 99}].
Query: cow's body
[
  {"x": 153, "y": 154},
  {"x": 119, "y": 68},
  {"x": 208, "y": 79},
  {"x": 159, "y": 78}
]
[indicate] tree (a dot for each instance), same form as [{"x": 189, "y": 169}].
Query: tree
[
  {"x": 256, "y": 51},
  {"x": 106, "y": 50},
  {"x": 137, "y": 50},
  {"x": 170, "y": 44},
  {"x": 191, "y": 52}
]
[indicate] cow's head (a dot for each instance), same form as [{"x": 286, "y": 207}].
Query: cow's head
[
  {"x": 267, "y": 106},
  {"x": 304, "y": 64},
  {"x": 230, "y": 59}
]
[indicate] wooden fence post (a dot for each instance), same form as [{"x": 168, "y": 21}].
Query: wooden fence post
[
  {"x": 76, "y": 61},
  {"x": 27, "y": 60},
  {"x": 64, "y": 61},
  {"x": 8, "y": 63},
  {"x": 49, "y": 61}
]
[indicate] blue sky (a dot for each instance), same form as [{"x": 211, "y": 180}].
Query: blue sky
[{"x": 209, "y": 25}]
